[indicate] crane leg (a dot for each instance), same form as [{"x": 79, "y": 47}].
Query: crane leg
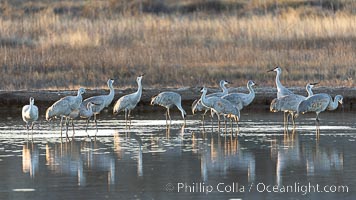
[
  {"x": 61, "y": 125},
  {"x": 211, "y": 119},
  {"x": 129, "y": 116},
  {"x": 287, "y": 122},
  {"x": 293, "y": 120},
  {"x": 317, "y": 124},
  {"x": 67, "y": 125},
  {"x": 86, "y": 128},
  {"x": 96, "y": 124},
  {"x": 125, "y": 119},
  {"x": 232, "y": 126},
  {"x": 225, "y": 121},
  {"x": 32, "y": 130},
  {"x": 169, "y": 116},
  {"x": 237, "y": 124},
  {"x": 73, "y": 128},
  {"x": 219, "y": 123}
]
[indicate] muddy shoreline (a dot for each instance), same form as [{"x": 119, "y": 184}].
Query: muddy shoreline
[{"x": 264, "y": 96}]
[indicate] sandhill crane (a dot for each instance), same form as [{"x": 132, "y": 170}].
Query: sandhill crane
[
  {"x": 220, "y": 106},
  {"x": 241, "y": 100},
  {"x": 83, "y": 112},
  {"x": 100, "y": 102},
  {"x": 289, "y": 103},
  {"x": 66, "y": 107},
  {"x": 168, "y": 100},
  {"x": 128, "y": 102},
  {"x": 281, "y": 90},
  {"x": 318, "y": 103},
  {"x": 278, "y": 104},
  {"x": 30, "y": 113},
  {"x": 197, "y": 105},
  {"x": 86, "y": 113}
]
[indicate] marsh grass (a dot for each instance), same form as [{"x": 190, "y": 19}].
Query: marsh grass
[{"x": 45, "y": 49}]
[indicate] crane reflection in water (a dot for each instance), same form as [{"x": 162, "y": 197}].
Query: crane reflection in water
[{"x": 148, "y": 156}]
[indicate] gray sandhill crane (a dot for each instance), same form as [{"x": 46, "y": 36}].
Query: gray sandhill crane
[
  {"x": 66, "y": 107},
  {"x": 100, "y": 102},
  {"x": 128, "y": 102},
  {"x": 318, "y": 103},
  {"x": 281, "y": 90},
  {"x": 220, "y": 106},
  {"x": 30, "y": 114},
  {"x": 168, "y": 100},
  {"x": 241, "y": 100},
  {"x": 289, "y": 103},
  {"x": 83, "y": 112},
  {"x": 86, "y": 113},
  {"x": 197, "y": 105}
]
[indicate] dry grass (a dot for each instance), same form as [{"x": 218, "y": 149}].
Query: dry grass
[{"x": 48, "y": 50}]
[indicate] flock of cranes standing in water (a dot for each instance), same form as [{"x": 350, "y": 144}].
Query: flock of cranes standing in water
[{"x": 225, "y": 104}]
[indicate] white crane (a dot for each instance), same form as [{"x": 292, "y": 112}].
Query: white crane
[
  {"x": 289, "y": 103},
  {"x": 241, "y": 100},
  {"x": 220, "y": 106},
  {"x": 100, "y": 102},
  {"x": 128, "y": 102},
  {"x": 197, "y": 105},
  {"x": 318, "y": 103},
  {"x": 168, "y": 100},
  {"x": 281, "y": 90},
  {"x": 66, "y": 107},
  {"x": 30, "y": 114}
]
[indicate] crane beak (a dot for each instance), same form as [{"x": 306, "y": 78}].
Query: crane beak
[
  {"x": 271, "y": 70},
  {"x": 152, "y": 100},
  {"x": 316, "y": 83}
]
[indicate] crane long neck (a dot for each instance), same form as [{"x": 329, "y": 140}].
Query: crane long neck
[
  {"x": 204, "y": 100},
  {"x": 112, "y": 91},
  {"x": 333, "y": 104},
  {"x": 309, "y": 90},
  {"x": 79, "y": 96},
  {"x": 139, "y": 89},
  {"x": 110, "y": 96},
  {"x": 179, "y": 106},
  {"x": 250, "y": 88},
  {"x": 224, "y": 89},
  {"x": 31, "y": 105},
  {"x": 278, "y": 82},
  {"x": 251, "y": 95}
]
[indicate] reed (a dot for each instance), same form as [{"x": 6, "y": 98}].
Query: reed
[{"x": 46, "y": 50}]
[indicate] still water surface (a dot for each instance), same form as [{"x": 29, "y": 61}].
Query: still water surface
[{"x": 182, "y": 162}]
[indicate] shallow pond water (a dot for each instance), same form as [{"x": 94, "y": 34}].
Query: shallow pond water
[{"x": 151, "y": 161}]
